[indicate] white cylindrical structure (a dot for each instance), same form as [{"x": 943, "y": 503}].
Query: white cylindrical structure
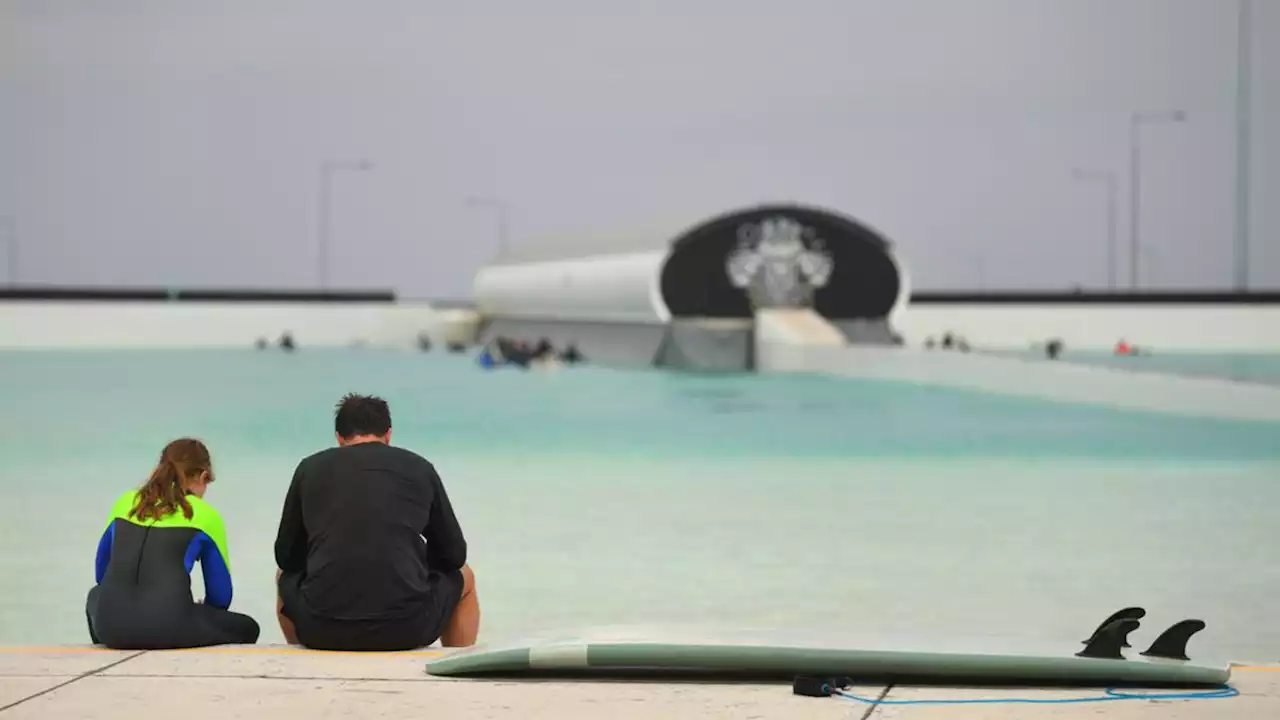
[{"x": 617, "y": 288}]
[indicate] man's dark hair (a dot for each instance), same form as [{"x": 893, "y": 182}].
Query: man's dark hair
[{"x": 362, "y": 415}]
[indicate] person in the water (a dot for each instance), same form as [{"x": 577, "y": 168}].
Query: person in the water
[
  {"x": 154, "y": 536},
  {"x": 571, "y": 355},
  {"x": 518, "y": 353},
  {"x": 543, "y": 350}
]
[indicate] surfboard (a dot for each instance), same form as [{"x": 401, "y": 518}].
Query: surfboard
[{"x": 1106, "y": 660}]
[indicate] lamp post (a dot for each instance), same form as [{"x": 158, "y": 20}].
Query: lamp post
[
  {"x": 1151, "y": 257},
  {"x": 979, "y": 262},
  {"x": 1136, "y": 122},
  {"x": 501, "y": 210},
  {"x": 10, "y": 237},
  {"x": 1108, "y": 179},
  {"x": 1244, "y": 75},
  {"x": 327, "y": 170}
]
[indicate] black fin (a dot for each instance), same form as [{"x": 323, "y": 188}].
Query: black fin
[
  {"x": 1172, "y": 643},
  {"x": 1129, "y": 613},
  {"x": 1106, "y": 644}
]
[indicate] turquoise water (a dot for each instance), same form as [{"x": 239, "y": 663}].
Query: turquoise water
[
  {"x": 600, "y": 497},
  {"x": 1246, "y": 367}
]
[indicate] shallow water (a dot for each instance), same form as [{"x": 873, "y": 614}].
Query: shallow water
[
  {"x": 596, "y": 497},
  {"x": 1262, "y": 368}
]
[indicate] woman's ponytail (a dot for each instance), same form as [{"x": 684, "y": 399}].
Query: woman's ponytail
[{"x": 165, "y": 491}]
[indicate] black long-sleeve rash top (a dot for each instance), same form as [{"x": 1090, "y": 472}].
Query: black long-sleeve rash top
[{"x": 355, "y": 520}]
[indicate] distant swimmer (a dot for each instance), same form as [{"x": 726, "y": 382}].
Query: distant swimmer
[
  {"x": 1053, "y": 349},
  {"x": 544, "y": 356},
  {"x": 517, "y": 352},
  {"x": 1123, "y": 347},
  {"x": 571, "y": 356},
  {"x": 143, "y": 599},
  {"x": 491, "y": 355}
]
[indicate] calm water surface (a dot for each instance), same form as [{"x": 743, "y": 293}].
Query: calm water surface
[
  {"x": 595, "y": 497},
  {"x": 1262, "y": 368}
]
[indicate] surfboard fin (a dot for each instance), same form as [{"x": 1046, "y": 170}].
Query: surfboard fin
[
  {"x": 1172, "y": 643},
  {"x": 1109, "y": 640},
  {"x": 1129, "y": 613}
]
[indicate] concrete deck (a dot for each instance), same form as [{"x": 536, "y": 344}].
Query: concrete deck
[{"x": 266, "y": 681}]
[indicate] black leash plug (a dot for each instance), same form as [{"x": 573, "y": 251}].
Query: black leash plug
[{"x": 814, "y": 686}]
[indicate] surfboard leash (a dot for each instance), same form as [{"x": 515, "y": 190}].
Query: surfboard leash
[{"x": 812, "y": 686}]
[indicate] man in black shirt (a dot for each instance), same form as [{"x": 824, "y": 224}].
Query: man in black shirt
[{"x": 370, "y": 554}]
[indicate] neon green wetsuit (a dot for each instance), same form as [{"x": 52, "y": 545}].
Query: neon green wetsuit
[{"x": 143, "y": 594}]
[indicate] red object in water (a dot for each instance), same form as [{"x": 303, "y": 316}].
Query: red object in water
[{"x": 1122, "y": 348}]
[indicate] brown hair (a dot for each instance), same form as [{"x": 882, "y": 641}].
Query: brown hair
[{"x": 164, "y": 493}]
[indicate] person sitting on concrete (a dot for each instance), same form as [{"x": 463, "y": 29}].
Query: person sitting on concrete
[
  {"x": 370, "y": 554},
  {"x": 142, "y": 599}
]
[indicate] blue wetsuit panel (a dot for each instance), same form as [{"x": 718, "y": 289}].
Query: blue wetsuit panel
[
  {"x": 104, "y": 552},
  {"x": 217, "y": 579}
]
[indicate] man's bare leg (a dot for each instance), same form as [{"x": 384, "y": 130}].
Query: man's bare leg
[
  {"x": 286, "y": 625},
  {"x": 464, "y": 626}
]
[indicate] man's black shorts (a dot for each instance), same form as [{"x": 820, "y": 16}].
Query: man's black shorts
[{"x": 416, "y": 631}]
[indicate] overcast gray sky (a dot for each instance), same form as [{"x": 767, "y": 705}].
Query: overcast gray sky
[{"x": 148, "y": 142}]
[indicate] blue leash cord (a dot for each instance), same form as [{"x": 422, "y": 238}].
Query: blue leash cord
[{"x": 1225, "y": 691}]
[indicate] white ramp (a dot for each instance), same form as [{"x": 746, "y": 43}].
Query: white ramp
[
  {"x": 795, "y": 326},
  {"x": 782, "y": 336},
  {"x": 1050, "y": 380}
]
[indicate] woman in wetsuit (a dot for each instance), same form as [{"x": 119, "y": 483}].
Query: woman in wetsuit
[{"x": 143, "y": 600}]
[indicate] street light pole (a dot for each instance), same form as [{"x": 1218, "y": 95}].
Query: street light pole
[
  {"x": 1136, "y": 121},
  {"x": 979, "y": 262},
  {"x": 327, "y": 170},
  {"x": 1152, "y": 259},
  {"x": 1244, "y": 75},
  {"x": 10, "y": 237},
  {"x": 502, "y": 212},
  {"x": 1108, "y": 179}
]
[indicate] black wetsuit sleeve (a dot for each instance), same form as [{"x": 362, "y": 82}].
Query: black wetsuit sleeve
[
  {"x": 291, "y": 537},
  {"x": 446, "y": 546}
]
